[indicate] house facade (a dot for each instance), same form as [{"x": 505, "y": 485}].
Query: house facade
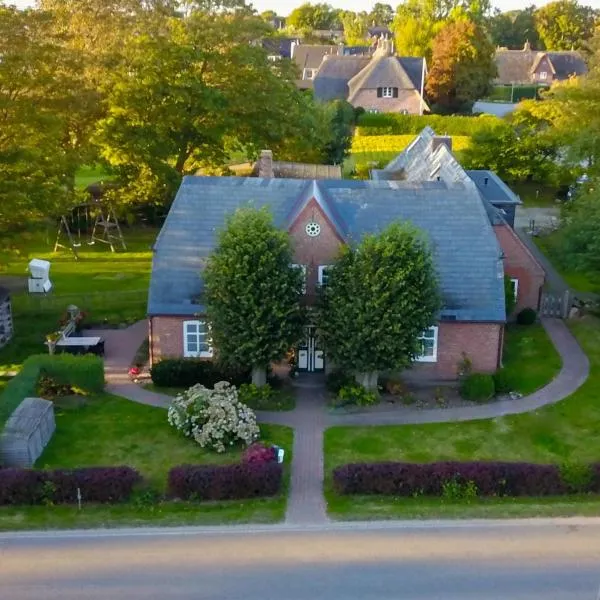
[
  {"x": 377, "y": 82},
  {"x": 472, "y": 244},
  {"x": 533, "y": 67}
]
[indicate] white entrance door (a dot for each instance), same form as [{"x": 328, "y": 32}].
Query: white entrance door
[{"x": 310, "y": 356}]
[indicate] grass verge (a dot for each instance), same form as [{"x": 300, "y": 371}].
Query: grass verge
[
  {"x": 559, "y": 433},
  {"x": 107, "y": 430},
  {"x": 530, "y": 358}
]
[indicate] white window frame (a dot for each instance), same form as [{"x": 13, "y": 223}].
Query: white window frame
[
  {"x": 201, "y": 338},
  {"x": 432, "y": 358},
  {"x": 543, "y": 75},
  {"x": 515, "y": 285},
  {"x": 321, "y": 272},
  {"x": 303, "y": 269},
  {"x": 387, "y": 92}
]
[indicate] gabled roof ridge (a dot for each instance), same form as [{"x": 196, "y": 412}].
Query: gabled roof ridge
[{"x": 357, "y": 82}]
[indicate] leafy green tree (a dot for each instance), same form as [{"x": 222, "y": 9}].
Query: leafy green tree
[
  {"x": 184, "y": 91},
  {"x": 565, "y": 24},
  {"x": 355, "y": 28},
  {"x": 514, "y": 28},
  {"x": 379, "y": 298},
  {"x": 35, "y": 93},
  {"x": 308, "y": 17},
  {"x": 381, "y": 15},
  {"x": 417, "y": 22},
  {"x": 342, "y": 119},
  {"x": 253, "y": 293},
  {"x": 462, "y": 66}
]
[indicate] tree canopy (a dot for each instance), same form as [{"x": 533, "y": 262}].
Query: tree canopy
[
  {"x": 565, "y": 24},
  {"x": 253, "y": 293},
  {"x": 462, "y": 66},
  {"x": 308, "y": 17},
  {"x": 380, "y": 296}
]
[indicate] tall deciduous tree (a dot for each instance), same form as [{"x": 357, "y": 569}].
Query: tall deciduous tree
[
  {"x": 355, "y": 28},
  {"x": 35, "y": 92},
  {"x": 381, "y": 15},
  {"x": 253, "y": 293},
  {"x": 185, "y": 89},
  {"x": 462, "y": 66},
  {"x": 514, "y": 28},
  {"x": 565, "y": 24},
  {"x": 308, "y": 17},
  {"x": 380, "y": 297}
]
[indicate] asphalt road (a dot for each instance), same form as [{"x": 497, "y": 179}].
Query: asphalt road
[{"x": 466, "y": 562}]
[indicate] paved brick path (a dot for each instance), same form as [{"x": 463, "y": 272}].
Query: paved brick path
[{"x": 309, "y": 420}]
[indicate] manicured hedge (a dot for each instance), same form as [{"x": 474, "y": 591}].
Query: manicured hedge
[
  {"x": 225, "y": 482},
  {"x": 490, "y": 478},
  {"x": 85, "y": 372},
  {"x": 185, "y": 372},
  {"x": 96, "y": 484},
  {"x": 396, "y": 124}
]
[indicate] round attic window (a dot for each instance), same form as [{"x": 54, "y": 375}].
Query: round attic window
[{"x": 313, "y": 229}]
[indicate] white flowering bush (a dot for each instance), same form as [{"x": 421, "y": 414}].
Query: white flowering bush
[{"x": 215, "y": 418}]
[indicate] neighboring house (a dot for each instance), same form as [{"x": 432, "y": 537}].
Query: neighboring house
[
  {"x": 277, "y": 22},
  {"x": 378, "y": 83},
  {"x": 471, "y": 243},
  {"x": 308, "y": 58},
  {"x": 378, "y": 31},
  {"x": 279, "y": 47},
  {"x": 532, "y": 67}
]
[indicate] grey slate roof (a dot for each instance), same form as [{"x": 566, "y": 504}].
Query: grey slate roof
[
  {"x": 492, "y": 188},
  {"x": 279, "y": 46},
  {"x": 331, "y": 81},
  {"x": 452, "y": 216},
  {"x": 308, "y": 56}
]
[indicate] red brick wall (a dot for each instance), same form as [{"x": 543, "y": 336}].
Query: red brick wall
[
  {"x": 407, "y": 100},
  {"x": 519, "y": 263},
  {"x": 314, "y": 251},
  {"x": 166, "y": 337},
  {"x": 481, "y": 342}
]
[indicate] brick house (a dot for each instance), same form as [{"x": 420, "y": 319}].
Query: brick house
[
  {"x": 472, "y": 244},
  {"x": 380, "y": 82},
  {"x": 528, "y": 67}
]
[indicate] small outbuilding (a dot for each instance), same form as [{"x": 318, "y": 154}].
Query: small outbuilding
[
  {"x": 6, "y": 322},
  {"x": 27, "y": 432}
]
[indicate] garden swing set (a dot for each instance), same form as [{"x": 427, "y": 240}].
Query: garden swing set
[{"x": 74, "y": 228}]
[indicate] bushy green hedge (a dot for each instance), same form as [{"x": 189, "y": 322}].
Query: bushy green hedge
[
  {"x": 478, "y": 387},
  {"x": 395, "y": 124},
  {"x": 186, "y": 372},
  {"x": 85, "y": 372}
]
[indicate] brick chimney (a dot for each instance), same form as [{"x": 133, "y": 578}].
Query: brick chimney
[
  {"x": 265, "y": 164},
  {"x": 438, "y": 140}
]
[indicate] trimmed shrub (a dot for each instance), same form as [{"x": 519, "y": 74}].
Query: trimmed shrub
[
  {"x": 264, "y": 397},
  {"x": 225, "y": 482},
  {"x": 578, "y": 477},
  {"x": 258, "y": 453},
  {"x": 357, "y": 394},
  {"x": 477, "y": 387},
  {"x": 186, "y": 372},
  {"x": 85, "y": 372},
  {"x": 503, "y": 381},
  {"x": 489, "y": 478},
  {"x": 527, "y": 316},
  {"x": 336, "y": 380},
  {"x": 96, "y": 484},
  {"x": 396, "y": 124},
  {"x": 215, "y": 418}
]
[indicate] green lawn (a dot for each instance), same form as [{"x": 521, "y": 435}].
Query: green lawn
[
  {"x": 108, "y": 430},
  {"x": 551, "y": 246},
  {"x": 567, "y": 431},
  {"x": 109, "y": 287},
  {"x": 91, "y": 174},
  {"x": 529, "y": 357},
  {"x": 536, "y": 194}
]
